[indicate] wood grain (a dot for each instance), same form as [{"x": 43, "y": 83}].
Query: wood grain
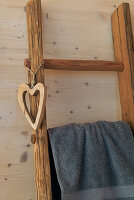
[
  {"x": 38, "y": 88},
  {"x": 41, "y": 157},
  {"x": 80, "y": 65},
  {"x": 69, "y": 32},
  {"x": 124, "y": 52}
]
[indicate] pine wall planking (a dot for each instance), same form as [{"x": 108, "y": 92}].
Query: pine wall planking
[{"x": 71, "y": 30}]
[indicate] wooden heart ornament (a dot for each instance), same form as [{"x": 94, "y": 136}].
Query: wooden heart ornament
[{"x": 23, "y": 89}]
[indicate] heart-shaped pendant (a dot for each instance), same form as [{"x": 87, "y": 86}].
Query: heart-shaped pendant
[{"x": 23, "y": 89}]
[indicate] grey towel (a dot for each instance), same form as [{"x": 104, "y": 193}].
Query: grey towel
[{"x": 94, "y": 161}]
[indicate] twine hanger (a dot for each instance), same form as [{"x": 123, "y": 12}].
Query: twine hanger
[{"x": 33, "y": 82}]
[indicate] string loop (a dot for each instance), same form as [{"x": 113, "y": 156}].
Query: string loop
[{"x": 33, "y": 82}]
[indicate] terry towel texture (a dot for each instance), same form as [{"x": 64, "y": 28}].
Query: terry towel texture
[{"x": 94, "y": 161}]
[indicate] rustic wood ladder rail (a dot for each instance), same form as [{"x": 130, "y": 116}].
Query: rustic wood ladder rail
[{"x": 124, "y": 65}]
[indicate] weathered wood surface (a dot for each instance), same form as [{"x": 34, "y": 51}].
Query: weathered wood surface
[
  {"x": 41, "y": 154},
  {"x": 124, "y": 52},
  {"x": 80, "y": 65},
  {"x": 69, "y": 32}
]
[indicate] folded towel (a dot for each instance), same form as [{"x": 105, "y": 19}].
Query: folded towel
[{"x": 94, "y": 161}]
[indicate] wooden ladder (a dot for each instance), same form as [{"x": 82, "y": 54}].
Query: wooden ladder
[{"x": 124, "y": 66}]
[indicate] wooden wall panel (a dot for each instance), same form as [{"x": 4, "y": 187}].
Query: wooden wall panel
[{"x": 71, "y": 30}]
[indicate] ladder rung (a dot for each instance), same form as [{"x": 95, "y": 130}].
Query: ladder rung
[{"x": 80, "y": 65}]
